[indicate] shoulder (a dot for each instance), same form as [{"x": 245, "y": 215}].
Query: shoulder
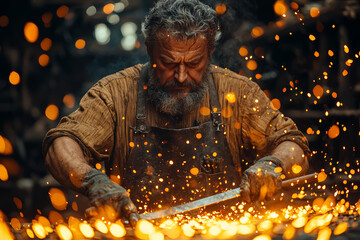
[
  {"x": 227, "y": 80},
  {"x": 126, "y": 77}
]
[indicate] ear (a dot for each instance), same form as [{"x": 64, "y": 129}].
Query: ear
[
  {"x": 148, "y": 48},
  {"x": 211, "y": 52}
]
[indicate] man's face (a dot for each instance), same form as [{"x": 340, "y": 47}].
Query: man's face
[{"x": 179, "y": 65}]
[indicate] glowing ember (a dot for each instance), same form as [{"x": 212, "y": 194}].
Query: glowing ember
[
  {"x": 4, "y": 229},
  {"x": 324, "y": 234},
  {"x": 58, "y": 199},
  {"x": 341, "y": 228},
  {"x": 64, "y": 232},
  {"x": 39, "y": 230},
  {"x": 296, "y": 168},
  {"x": 101, "y": 227},
  {"x": 299, "y": 222},
  {"x": 86, "y": 230},
  {"x": 262, "y": 237},
  {"x": 289, "y": 232}
]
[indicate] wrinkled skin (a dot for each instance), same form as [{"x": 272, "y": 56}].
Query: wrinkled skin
[
  {"x": 102, "y": 192},
  {"x": 261, "y": 181}
]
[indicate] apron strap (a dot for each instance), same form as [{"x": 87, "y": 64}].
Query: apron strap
[
  {"x": 141, "y": 126},
  {"x": 215, "y": 108},
  {"x": 140, "y": 102}
]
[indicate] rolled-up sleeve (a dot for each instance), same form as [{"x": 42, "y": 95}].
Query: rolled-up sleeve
[
  {"x": 264, "y": 127},
  {"x": 91, "y": 125}
]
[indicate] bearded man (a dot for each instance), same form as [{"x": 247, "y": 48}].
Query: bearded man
[{"x": 196, "y": 129}]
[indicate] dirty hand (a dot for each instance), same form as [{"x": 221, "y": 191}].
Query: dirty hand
[
  {"x": 261, "y": 181},
  {"x": 102, "y": 193}
]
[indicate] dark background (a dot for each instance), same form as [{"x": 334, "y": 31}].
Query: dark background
[{"x": 289, "y": 72}]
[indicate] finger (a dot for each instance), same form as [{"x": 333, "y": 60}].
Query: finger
[
  {"x": 270, "y": 187},
  {"x": 134, "y": 218},
  {"x": 245, "y": 189},
  {"x": 278, "y": 184},
  {"x": 91, "y": 212},
  {"x": 129, "y": 208},
  {"x": 255, "y": 182}
]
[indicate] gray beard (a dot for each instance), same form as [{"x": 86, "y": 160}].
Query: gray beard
[{"x": 168, "y": 104}]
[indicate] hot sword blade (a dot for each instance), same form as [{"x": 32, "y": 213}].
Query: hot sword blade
[{"x": 220, "y": 197}]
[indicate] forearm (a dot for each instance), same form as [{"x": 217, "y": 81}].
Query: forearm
[
  {"x": 291, "y": 154},
  {"x": 66, "y": 162}
]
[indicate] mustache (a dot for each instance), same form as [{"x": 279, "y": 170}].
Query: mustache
[{"x": 174, "y": 83}]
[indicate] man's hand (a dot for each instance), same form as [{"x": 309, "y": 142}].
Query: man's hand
[
  {"x": 261, "y": 180},
  {"x": 103, "y": 193}
]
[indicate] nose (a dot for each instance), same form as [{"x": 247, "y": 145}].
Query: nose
[{"x": 181, "y": 74}]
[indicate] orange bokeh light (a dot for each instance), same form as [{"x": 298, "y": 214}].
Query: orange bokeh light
[
  {"x": 333, "y": 132},
  {"x": 4, "y": 21},
  {"x": 3, "y": 173},
  {"x": 47, "y": 17},
  {"x": 318, "y": 91},
  {"x": 312, "y": 37},
  {"x": 58, "y": 199},
  {"x": 243, "y": 51},
  {"x": 52, "y": 112},
  {"x": 310, "y": 131},
  {"x": 62, "y": 11},
  {"x": 251, "y": 65},
  {"x": 205, "y": 111},
  {"x": 275, "y": 104},
  {"x": 314, "y": 12},
  {"x": 16, "y": 224},
  {"x": 280, "y": 7},
  {"x": 230, "y": 97},
  {"x": 220, "y": 8},
  {"x": 108, "y": 8},
  {"x": 258, "y": 76},
  {"x": 44, "y": 60},
  {"x": 257, "y": 31},
  {"x": 18, "y": 202},
  {"x": 5, "y": 146},
  {"x": 14, "y": 78},
  {"x": 294, "y": 6},
  {"x": 46, "y": 44},
  {"x": 69, "y": 100},
  {"x": 80, "y": 43},
  {"x": 31, "y": 32}
]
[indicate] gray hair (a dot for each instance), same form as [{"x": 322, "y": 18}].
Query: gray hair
[{"x": 182, "y": 19}]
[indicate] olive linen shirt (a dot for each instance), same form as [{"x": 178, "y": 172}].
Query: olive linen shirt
[{"x": 102, "y": 123}]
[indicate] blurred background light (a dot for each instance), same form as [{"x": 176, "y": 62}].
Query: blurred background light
[
  {"x": 91, "y": 11},
  {"x": 113, "y": 19},
  {"x": 102, "y": 34},
  {"x": 128, "y": 42},
  {"x": 119, "y": 7},
  {"x": 128, "y": 28}
]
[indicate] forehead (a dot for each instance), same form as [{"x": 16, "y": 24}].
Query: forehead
[{"x": 170, "y": 45}]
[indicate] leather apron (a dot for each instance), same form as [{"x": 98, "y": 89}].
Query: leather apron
[{"x": 168, "y": 167}]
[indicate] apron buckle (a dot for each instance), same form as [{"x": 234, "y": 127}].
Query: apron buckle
[
  {"x": 141, "y": 130},
  {"x": 218, "y": 124}
]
